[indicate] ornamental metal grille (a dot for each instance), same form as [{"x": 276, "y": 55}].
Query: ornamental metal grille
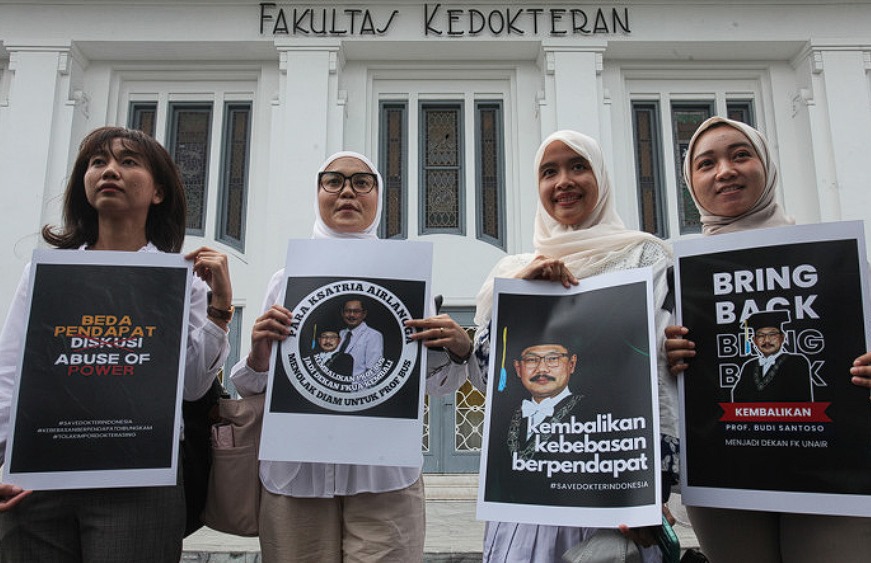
[
  {"x": 685, "y": 119},
  {"x": 393, "y": 169},
  {"x": 189, "y": 147},
  {"x": 426, "y": 432},
  {"x": 235, "y": 179},
  {"x": 647, "y": 159},
  {"x": 143, "y": 117},
  {"x": 490, "y": 172},
  {"x": 469, "y": 419},
  {"x": 441, "y": 168}
]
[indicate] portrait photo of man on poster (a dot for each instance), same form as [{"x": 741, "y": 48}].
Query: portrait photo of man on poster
[
  {"x": 776, "y": 322},
  {"x": 328, "y": 356},
  {"x": 774, "y": 374},
  {"x": 572, "y": 423},
  {"x": 350, "y": 356},
  {"x": 362, "y": 342}
]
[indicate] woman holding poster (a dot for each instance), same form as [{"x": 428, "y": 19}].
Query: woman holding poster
[
  {"x": 321, "y": 512},
  {"x": 124, "y": 194},
  {"x": 732, "y": 179},
  {"x": 578, "y": 234}
]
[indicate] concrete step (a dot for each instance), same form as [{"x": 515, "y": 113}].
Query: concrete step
[{"x": 453, "y": 535}]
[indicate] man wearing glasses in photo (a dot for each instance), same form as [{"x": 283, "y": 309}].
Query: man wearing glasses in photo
[
  {"x": 360, "y": 341},
  {"x": 328, "y": 356},
  {"x": 544, "y": 370},
  {"x": 774, "y": 374}
]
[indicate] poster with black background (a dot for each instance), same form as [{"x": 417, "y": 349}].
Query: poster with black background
[
  {"x": 340, "y": 397},
  {"x": 98, "y": 400},
  {"x": 767, "y": 405},
  {"x": 591, "y": 456}
]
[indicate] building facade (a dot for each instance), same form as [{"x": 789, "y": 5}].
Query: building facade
[{"x": 451, "y": 101}]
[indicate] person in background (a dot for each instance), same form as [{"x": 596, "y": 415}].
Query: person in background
[{"x": 364, "y": 343}]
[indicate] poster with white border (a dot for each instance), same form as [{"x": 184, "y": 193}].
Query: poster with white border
[
  {"x": 368, "y": 408},
  {"x": 593, "y": 457},
  {"x": 98, "y": 400},
  {"x": 769, "y": 417}
]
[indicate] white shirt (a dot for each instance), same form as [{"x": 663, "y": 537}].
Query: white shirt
[
  {"x": 207, "y": 346},
  {"x": 366, "y": 346},
  {"x": 768, "y": 361},
  {"x": 540, "y": 411},
  {"x": 304, "y": 479}
]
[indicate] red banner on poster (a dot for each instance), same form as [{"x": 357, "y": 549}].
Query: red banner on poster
[{"x": 775, "y": 412}]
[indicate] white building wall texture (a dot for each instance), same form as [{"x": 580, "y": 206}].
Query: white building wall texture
[{"x": 67, "y": 67}]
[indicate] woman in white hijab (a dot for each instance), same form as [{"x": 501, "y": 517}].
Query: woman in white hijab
[
  {"x": 732, "y": 179},
  {"x": 578, "y": 234},
  {"x": 326, "y": 513}
]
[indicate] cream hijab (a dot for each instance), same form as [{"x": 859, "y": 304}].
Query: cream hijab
[
  {"x": 586, "y": 248},
  {"x": 321, "y": 230},
  {"x": 766, "y": 212}
]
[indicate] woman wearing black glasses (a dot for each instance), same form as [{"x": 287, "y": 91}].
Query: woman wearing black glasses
[{"x": 321, "y": 512}]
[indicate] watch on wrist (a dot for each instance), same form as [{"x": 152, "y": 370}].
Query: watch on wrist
[{"x": 223, "y": 314}]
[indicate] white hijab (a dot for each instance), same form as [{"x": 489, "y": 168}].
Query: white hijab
[
  {"x": 766, "y": 212},
  {"x": 586, "y": 248},
  {"x": 321, "y": 230}
]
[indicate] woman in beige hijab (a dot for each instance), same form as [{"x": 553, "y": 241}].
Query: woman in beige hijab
[
  {"x": 732, "y": 180},
  {"x": 578, "y": 234}
]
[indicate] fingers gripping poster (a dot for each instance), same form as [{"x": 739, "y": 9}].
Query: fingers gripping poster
[
  {"x": 767, "y": 403},
  {"x": 571, "y": 431},
  {"x": 99, "y": 394},
  {"x": 347, "y": 384}
]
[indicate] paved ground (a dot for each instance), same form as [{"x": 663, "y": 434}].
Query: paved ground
[{"x": 453, "y": 535}]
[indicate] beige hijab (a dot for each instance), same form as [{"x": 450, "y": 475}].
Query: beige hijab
[
  {"x": 586, "y": 248},
  {"x": 766, "y": 212}
]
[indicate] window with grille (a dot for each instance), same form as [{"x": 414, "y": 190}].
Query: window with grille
[
  {"x": 490, "y": 173},
  {"x": 442, "y": 169},
  {"x": 191, "y": 130},
  {"x": 394, "y": 168}
]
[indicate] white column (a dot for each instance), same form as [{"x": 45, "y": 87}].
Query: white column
[
  {"x": 840, "y": 118},
  {"x": 849, "y": 107},
  {"x": 302, "y": 136},
  {"x": 573, "y": 89},
  {"x": 35, "y": 124}
]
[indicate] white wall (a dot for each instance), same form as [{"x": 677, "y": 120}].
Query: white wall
[{"x": 62, "y": 63}]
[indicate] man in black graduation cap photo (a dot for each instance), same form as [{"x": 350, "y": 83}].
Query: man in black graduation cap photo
[
  {"x": 774, "y": 375},
  {"x": 330, "y": 358}
]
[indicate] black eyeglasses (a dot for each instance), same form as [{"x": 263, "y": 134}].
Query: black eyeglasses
[
  {"x": 334, "y": 182},
  {"x": 773, "y": 335},
  {"x": 532, "y": 361}
]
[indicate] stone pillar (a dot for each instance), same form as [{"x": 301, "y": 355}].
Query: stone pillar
[
  {"x": 34, "y": 142},
  {"x": 839, "y": 108},
  {"x": 573, "y": 89},
  {"x": 302, "y": 136}
]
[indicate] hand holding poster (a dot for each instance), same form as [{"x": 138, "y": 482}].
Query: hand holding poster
[
  {"x": 571, "y": 433},
  {"x": 98, "y": 400},
  {"x": 769, "y": 417},
  {"x": 347, "y": 384}
]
